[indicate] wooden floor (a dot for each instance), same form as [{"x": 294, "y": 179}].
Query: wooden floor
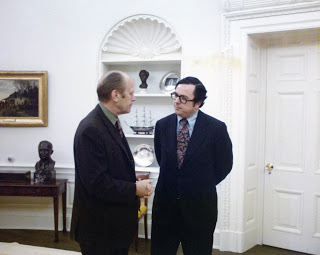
[{"x": 44, "y": 238}]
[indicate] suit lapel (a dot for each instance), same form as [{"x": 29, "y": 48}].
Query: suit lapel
[
  {"x": 129, "y": 154},
  {"x": 198, "y": 135},
  {"x": 197, "y": 138},
  {"x": 116, "y": 135},
  {"x": 171, "y": 138}
]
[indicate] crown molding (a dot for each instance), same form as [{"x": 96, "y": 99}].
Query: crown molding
[{"x": 273, "y": 11}]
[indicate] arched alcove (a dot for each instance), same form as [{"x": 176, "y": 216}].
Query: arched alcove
[
  {"x": 142, "y": 37},
  {"x": 143, "y": 42}
]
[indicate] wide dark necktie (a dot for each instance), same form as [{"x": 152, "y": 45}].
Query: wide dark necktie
[
  {"x": 118, "y": 126},
  {"x": 183, "y": 138}
]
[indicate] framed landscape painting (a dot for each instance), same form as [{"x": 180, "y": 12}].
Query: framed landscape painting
[{"x": 23, "y": 98}]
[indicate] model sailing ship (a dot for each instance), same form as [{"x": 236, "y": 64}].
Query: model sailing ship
[{"x": 144, "y": 126}]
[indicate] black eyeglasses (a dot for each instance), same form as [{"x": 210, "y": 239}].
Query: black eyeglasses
[{"x": 182, "y": 98}]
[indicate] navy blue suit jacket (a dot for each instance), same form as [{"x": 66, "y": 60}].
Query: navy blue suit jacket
[{"x": 207, "y": 162}]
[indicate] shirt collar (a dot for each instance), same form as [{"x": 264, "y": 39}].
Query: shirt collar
[
  {"x": 191, "y": 120},
  {"x": 113, "y": 118}
]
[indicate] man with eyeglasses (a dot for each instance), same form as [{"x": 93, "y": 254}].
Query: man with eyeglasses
[{"x": 194, "y": 153}]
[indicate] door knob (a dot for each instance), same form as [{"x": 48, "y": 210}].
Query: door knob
[{"x": 269, "y": 167}]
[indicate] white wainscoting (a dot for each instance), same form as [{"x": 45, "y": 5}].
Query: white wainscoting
[{"x": 37, "y": 212}]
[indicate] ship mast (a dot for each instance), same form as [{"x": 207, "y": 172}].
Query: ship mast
[
  {"x": 136, "y": 117},
  {"x": 144, "y": 117}
]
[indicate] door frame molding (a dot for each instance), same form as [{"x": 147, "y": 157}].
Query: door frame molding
[{"x": 235, "y": 234}]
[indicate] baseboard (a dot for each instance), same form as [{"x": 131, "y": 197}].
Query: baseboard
[
  {"x": 238, "y": 241},
  {"x": 41, "y": 222}
]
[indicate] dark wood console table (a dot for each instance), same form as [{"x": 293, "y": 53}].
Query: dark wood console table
[{"x": 41, "y": 190}]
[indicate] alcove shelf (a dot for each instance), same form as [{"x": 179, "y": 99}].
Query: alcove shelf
[
  {"x": 152, "y": 95},
  {"x": 130, "y": 135},
  {"x": 143, "y": 42}
]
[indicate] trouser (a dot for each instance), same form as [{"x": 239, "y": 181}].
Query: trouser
[
  {"x": 194, "y": 241},
  {"x": 99, "y": 248}
]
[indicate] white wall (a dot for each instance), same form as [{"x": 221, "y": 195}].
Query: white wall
[{"x": 63, "y": 38}]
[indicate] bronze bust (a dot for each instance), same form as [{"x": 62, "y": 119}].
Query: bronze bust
[
  {"x": 45, "y": 166},
  {"x": 143, "y": 74}
]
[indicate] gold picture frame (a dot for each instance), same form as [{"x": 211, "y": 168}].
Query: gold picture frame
[{"x": 23, "y": 98}]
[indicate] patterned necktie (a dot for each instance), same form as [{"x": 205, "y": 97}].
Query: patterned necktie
[
  {"x": 182, "y": 141},
  {"x": 118, "y": 126}
]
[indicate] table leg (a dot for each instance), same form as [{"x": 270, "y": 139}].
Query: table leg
[
  {"x": 64, "y": 209},
  {"x": 56, "y": 218}
]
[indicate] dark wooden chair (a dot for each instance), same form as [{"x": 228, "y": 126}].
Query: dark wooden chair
[{"x": 143, "y": 209}]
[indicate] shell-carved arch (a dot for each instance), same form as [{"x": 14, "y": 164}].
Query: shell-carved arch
[{"x": 142, "y": 36}]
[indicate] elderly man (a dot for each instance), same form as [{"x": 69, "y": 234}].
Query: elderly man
[{"x": 104, "y": 217}]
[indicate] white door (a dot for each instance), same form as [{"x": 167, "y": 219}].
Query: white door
[{"x": 292, "y": 189}]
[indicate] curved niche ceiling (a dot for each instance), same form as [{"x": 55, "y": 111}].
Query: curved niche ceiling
[{"x": 141, "y": 36}]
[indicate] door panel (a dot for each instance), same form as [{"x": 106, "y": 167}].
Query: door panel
[
  {"x": 287, "y": 135},
  {"x": 292, "y": 187}
]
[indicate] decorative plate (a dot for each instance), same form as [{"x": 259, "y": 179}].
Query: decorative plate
[
  {"x": 143, "y": 155},
  {"x": 168, "y": 82}
]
